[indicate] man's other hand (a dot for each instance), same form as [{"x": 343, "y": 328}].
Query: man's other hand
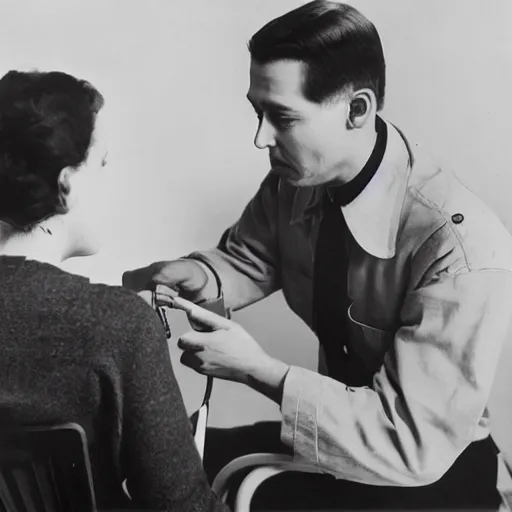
[{"x": 187, "y": 277}]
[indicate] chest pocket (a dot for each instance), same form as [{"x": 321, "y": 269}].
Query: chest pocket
[{"x": 369, "y": 343}]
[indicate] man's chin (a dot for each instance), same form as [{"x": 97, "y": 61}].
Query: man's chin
[
  {"x": 291, "y": 176},
  {"x": 287, "y": 173}
]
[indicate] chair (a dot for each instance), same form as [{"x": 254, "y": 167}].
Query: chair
[
  {"x": 260, "y": 467},
  {"x": 45, "y": 469}
]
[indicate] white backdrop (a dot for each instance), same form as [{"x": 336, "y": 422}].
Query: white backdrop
[{"x": 181, "y": 160}]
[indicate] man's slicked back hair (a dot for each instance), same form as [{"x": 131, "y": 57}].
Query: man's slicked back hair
[{"x": 339, "y": 46}]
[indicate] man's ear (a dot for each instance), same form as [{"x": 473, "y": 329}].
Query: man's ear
[{"x": 361, "y": 108}]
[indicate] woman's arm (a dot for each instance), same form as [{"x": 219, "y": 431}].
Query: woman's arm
[{"x": 158, "y": 456}]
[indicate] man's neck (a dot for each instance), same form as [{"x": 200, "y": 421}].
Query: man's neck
[
  {"x": 361, "y": 149},
  {"x": 346, "y": 193}
]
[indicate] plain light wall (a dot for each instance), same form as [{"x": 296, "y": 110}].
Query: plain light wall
[{"x": 181, "y": 160}]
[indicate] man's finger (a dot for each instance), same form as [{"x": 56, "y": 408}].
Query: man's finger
[
  {"x": 147, "y": 296},
  {"x": 185, "y": 343},
  {"x": 163, "y": 289},
  {"x": 164, "y": 295},
  {"x": 201, "y": 315}
]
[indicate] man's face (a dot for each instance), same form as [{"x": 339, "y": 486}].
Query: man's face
[{"x": 307, "y": 142}]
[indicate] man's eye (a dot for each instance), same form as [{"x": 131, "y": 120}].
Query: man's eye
[
  {"x": 283, "y": 123},
  {"x": 278, "y": 121},
  {"x": 287, "y": 123}
]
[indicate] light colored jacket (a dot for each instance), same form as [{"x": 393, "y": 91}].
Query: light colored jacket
[{"x": 430, "y": 284}]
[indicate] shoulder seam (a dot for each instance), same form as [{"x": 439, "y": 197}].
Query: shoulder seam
[{"x": 435, "y": 207}]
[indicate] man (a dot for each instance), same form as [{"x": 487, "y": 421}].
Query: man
[{"x": 402, "y": 273}]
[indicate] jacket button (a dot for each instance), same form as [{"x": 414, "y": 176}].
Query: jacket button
[{"x": 457, "y": 218}]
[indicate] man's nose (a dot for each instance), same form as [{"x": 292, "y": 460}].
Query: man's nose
[{"x": 265, "y": 135}]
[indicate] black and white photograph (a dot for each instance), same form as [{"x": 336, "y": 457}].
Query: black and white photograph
[{"x": 255, "y": 255}]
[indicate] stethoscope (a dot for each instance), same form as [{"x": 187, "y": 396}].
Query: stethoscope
[{"x": 203, "y": 411}]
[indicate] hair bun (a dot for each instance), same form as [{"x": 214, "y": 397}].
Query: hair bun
[{"x": 46, "y": 125}]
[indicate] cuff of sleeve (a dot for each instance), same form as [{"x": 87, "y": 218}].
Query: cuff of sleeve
[
  {"x": 199, "y": 257},
  {"x": 215, "y": 304},
  {"x": 301, "y": 395}
]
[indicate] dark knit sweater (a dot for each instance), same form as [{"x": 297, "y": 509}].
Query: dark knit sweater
[{"x": 72, "y": 351}]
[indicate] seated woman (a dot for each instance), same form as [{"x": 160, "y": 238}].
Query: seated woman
[{"x": 72, "y": 351}]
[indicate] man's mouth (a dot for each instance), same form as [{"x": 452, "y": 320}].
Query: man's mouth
[{"x": 276, "y": 162}]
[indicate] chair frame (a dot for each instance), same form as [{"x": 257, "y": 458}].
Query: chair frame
[
  {"x": 33, "y": 462},
  {"x": 261, "y": 466}
]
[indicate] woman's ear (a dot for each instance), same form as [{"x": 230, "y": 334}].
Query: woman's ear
[
  {"x": 362, "y": 107},
  {"x": 64, "y": 189}
]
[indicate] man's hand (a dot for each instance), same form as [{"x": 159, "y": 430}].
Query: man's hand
[
  {"x": 229, "y": 352},
  {"x": 187, "y": 277}
]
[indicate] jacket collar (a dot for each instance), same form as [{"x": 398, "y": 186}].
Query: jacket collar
[{"x": 373, "y": 217}]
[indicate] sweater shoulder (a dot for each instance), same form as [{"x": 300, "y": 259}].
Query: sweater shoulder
[
  {"x": 121, "y": 311},
  {"x": 103, "y": 314}
]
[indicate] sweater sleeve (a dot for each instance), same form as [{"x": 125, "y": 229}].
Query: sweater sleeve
[{"x": 158, "y": 456}]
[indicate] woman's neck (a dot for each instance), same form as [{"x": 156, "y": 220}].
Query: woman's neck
[{"x": 45, "y": 242}]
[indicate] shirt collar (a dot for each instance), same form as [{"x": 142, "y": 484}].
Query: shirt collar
[
  {"x": 342, "y": 195},
  {"x": 373, "y": 217}
]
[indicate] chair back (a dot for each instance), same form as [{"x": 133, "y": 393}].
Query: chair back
[{"x": 45, "y": 469}]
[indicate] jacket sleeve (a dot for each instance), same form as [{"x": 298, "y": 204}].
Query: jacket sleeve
[
  {"x": 425, "y": 403},
  {"x": 246, "y": 259}
]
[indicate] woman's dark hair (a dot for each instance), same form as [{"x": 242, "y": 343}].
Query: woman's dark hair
[
  {"x": 337, "y": 44},
  {"x": 46, "y": 124}
]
